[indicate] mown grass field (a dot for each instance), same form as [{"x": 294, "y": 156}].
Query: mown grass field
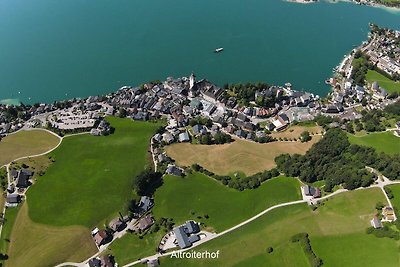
[
  {"x": 38, "y": 245},
  {"x": 90, "y": 180},
  {"x": 26, "y": 143},
  {"x": 389, "y": 85},
  {"x": 295, "y": 131},
  {"x": 245, "y": 156},
  {"x": 383, "y": 142},
  {"x": 336, "y": 229},
  {"x": 196, "y": 195}
]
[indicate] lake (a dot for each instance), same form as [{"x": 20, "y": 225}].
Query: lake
[{"x": 74, "y": 48}]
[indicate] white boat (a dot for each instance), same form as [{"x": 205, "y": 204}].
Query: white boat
[{"x": 220, "y": 49}]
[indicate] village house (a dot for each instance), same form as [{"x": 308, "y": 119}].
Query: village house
[
  {"x": 186, "y": 234},
  {"x": 102, "y": 237},
  {"x": 117, "y": 224},
  {"x": 13, "y": 200},
  {"x": 145, "y": 204},
  {"x": 376, "y": 223},
  {"x": 173, "y": 170},
  {"x": 388, "y": 214},
  {"x": 145, "y": 223}
]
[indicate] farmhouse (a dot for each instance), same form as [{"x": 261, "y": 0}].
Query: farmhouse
[
  {"x": 311, "y": 191},
  {"x": 376, "y": 223},
  {"x": 173, "y": 170},
  {"x": 23, "y": 178},
  {"x": 145, "y": 223},
  {"x": 388, "y": 214},
  {"x": 13, "y": 199},
  {"x": 186, "y": 234},
  {"x": 145, "y": 204},
  {"x": 117, "y": 225},
  {"x": 101, "y": 237},
  {"x": 107, "y": 261}
]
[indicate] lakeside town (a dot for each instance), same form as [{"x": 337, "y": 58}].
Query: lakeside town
[
  {"x": 374, "y": 3},
  {"x": 194, "y": 109}
]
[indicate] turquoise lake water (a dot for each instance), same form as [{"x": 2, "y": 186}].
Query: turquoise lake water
[{"x": 74, "y": 48}]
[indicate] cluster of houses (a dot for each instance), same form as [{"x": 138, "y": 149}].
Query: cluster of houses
[
  {"x": 388, "y": 215},
  {"x": 104, "y": 236},
  {"x": 19, "y": 183},
  {"x": 384, "y": 52}
]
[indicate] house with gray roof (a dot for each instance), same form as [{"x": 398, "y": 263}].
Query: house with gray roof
[
  {"x": 145, "y": 204},
  {"x": 184, "y": 137},
  {"x": 181, "y": 237}
]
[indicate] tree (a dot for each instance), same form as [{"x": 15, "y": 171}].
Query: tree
[
  {"x": 305, "y": 137},
  {"x": 146, "y": 182}
]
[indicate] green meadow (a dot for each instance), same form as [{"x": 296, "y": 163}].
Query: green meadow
[
  {"x": 383, "y": 142},
  {"x": 197, "y": 195},
  {"x": 336, "y": 230},
  {"x": 90, "y": 180}
]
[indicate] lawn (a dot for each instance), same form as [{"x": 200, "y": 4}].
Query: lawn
[
  {"x": 26, "y": 143},
  {"x": 389, "y": 85},
  {"x": 38, "y": 245},
  {"x": 336, "y": 229},
  {"x": 196, "y": 195},
  {"x": 90, "y": 180},
  {"x": 383, "y": 142},
  {"x": 248, "y": 157},
  {"x": 295, "y": 131}
]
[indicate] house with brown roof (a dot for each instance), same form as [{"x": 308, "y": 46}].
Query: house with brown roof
[
  {"x": 102, "y": 237},
  {"x": 145, "y": 223},
  {"x": 388, "y": 214}
]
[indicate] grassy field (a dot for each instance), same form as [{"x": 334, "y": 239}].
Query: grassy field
[
  {"x": 130, "y": 248},
  {"x": 25, "y": 143},
  {"x": 383, "y": 142},
  {"x": 396, "y": 193},
  {"x": 38, "y": 245},
  {"x": 389, "y": 85},
  {"x": 11, "y": 214},
  {"x": 196, "y": 195},
  {"x": 336, "y": 229},
  {"x": 295, "y": 131},
  {"x": 226, "y": 207},
  {"x": 90, "y": 180},
  {"x": 245, "y": 156}
]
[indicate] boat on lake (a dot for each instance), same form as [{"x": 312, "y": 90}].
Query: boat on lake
[{"x": 218, "y": 50}]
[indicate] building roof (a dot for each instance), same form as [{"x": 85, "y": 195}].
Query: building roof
[
  {"x": 100, "y": 237},
  {"x": 145, "y": 203},
  {"x": 192, "y": 227},
  {"x": 376, "y": 223},
  {"x": 184, "y": 137},
  {"x": 145, "y": 222},
  {"x": 94, "y": 262},
  {"x": 181, "y": 237},
  {"x": 13, "y": 198}
]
